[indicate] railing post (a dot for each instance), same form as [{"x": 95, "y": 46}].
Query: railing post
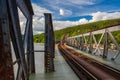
[
  {"x": 75, "y": 42},
  {"x": 78, "y": 43},
  {"x": 105, "y": 51},
  {"x": 72, "y": 42},
  {"x": 82, "y": 42},
  {"x": 91, "y": 46}
]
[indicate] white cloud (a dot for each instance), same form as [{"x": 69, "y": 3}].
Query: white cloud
[
  {"x": 22, "y": 20},
  {"x": 38, "y": 25},
  {"x": 61, "y": 12},
  {"x": 38, "y": 19},
  {"x": 63, "y": 24},
  {"x": 65, "y": 12},
  {"x": 82, "y": 2},
  {"x": 83, "y": 21},
  {"x": 39, "y": 11},
  {"x": 97, "y": 16}
]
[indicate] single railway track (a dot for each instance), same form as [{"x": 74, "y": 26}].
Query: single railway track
[{"x": 87, "y": 68}]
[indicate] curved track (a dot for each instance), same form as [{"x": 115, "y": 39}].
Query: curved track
[{"x": 87, "y": 68}]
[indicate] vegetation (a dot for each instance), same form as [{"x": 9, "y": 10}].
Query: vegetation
[
  {"x": 79, "y": 29},
  {"x": 39, "y": 38}
]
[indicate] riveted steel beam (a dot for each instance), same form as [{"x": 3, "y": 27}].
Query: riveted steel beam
[
  {"x": 6, "y": 66},
  {"x": 49, "y": 43}
]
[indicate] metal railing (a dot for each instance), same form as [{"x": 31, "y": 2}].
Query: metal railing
[{"x": 81, "y": 42}]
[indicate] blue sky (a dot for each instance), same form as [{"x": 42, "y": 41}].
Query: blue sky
[
  {"x": 75, "y": 9},
  {"x": 66, "y": 13}
]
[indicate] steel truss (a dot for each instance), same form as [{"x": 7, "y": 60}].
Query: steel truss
[{"x": 10, "y": 28}]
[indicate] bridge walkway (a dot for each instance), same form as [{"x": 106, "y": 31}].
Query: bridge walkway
[{"x": 115, "y": 64}]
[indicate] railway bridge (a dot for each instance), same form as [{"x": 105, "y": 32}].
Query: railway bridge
[{"x": 80, "y": 57}]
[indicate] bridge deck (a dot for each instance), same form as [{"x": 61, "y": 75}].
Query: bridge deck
[
  {"x": 62, "y": 69},
  {"x": 115, "y": 64}
]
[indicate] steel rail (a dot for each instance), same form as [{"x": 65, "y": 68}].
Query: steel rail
[
  {"x": 80, "y": 71},
  {"x": 98, "y": 70}
]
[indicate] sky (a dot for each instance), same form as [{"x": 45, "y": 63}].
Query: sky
[{"x": 66, "y": 13}]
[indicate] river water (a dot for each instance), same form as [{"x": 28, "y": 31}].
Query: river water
[{"x": 39, "y": 59}]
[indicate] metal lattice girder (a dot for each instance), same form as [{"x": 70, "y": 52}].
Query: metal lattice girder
[
  {"x": 16, "y": 36},
  {"x": 116, "y": 43},
  {"x": 105, "y": 32},
  {"x": 97, "y": 46},
  {"x": 49, "y": 43},
  {"x": 6, "y": 64}
]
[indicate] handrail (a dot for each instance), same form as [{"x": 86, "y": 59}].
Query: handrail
[{"x": 111, "y": 29}]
